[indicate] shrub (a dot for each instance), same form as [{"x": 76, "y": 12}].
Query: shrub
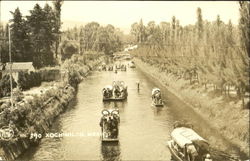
[
  {"x": 27, "y": 80},
  {"x": 5, "y": 85}
]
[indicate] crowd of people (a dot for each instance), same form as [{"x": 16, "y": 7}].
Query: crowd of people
[
  {"x": 117, "y": 90},
  {"x": 109, "y": 124}
]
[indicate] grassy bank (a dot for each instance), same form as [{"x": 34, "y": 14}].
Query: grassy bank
[
  {"x": 224, "y": 114},
  {"x": 35, "y": 110}
]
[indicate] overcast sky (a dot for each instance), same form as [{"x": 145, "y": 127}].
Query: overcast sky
[{"x": 123, "y": 13}]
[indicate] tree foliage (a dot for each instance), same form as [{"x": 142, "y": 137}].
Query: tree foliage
[
  {"x": 244, "y": 24},
  {"x": 34, "y": 37},
  {"x": 99, "y": 38},
  {"x": 208, "y": 52}
]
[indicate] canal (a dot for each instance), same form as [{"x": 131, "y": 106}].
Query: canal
[{"x": 144, "y": 129}]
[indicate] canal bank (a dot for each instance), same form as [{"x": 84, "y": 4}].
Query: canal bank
[
  {"x": 30, "y": 119},
  {"x": 228, "y": 119}
]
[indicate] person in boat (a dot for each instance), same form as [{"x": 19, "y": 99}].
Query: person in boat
[
  {"x": 117, "y": 92},
  {"x": 103, "y": 122},
  {"x": 192, "y": 152},
  {"x": 208, "y": 158},
  {"x": 156, "y": 95},
  {"x": 114, "y": 125},
  {"x": 113, "y": 128},
  {"x": 107, "y": 92}
]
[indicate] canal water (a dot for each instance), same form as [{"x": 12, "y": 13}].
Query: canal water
[{"x": 144, "y": 129}]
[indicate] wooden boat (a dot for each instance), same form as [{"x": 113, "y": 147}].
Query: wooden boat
[
  {"x": 132, "y": 64},
  {"x": 123, "y": 68},
  {"x": 156, "y": 98},
  {"x": 114, "y": 98},
  {"x": 157, "y": 104},
  {"x": 117, "y": 87},
  {"x": 110, "y": 125},
  {"x": 185, "y": 140}
]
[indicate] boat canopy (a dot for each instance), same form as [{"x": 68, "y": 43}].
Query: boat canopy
[
  {"x": 154, "y": 90},
  {"x": 108, "y": 87},
  {"x": 183, "y": 136},
  {"x": 110, "y": 112}
]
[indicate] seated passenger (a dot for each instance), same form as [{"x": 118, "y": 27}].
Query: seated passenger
[
  {"x": 192, "y": 152},
  {"x": 114, "y": 130},
  {"x": 208, "y": 158},
  {"x": 103, "y": 123},
  {"x": 117, "y": 92}
]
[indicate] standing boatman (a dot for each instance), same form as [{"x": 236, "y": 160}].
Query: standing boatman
[{"x": 138, "y": 85}]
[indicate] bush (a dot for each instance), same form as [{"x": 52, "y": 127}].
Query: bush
[
  {"x": 5, "y": 85},
  {"x": 68, "y": 49},
  {"x": 27, "y": 80}
]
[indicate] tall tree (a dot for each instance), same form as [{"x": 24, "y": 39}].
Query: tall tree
[
  {"x": 134, "y": 31},
  {"x": 19, "y": 36},
  {"x": 199, "y": 23},
  {"x": 244, "y": 24},
  {"x": 41, "y": 25},
  {"x": 141, "y": 29},
  {"x": 173, "y": 25},
  {"x": 57, "y": 8}
]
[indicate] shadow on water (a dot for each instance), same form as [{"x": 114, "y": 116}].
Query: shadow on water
[{"x": 110, "y": 151}]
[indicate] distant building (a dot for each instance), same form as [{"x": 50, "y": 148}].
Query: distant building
[{"x": 16, "y": 68}]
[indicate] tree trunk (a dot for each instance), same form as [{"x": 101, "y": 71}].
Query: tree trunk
[
  {"x": 243, "y": 101},
  {"x": 56, "y": 52}
]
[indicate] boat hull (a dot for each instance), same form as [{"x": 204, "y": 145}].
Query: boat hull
[
  {"x": 157, "y": 105},
  {"x": 174, "y": 156},
  {"x": 114, "y": 99},
  {"x": 105, "y": 138},
  {"x": 109, "y": 140}
]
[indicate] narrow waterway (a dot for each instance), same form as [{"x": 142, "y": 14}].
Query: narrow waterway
[{"x": 144, "y": 129}]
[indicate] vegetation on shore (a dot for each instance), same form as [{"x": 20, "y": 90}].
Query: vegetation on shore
[
  {"x": 34, "y": 114},
  {"x": 225, "y": 115},
  {"x": 34, "y": 38},
  {"x": 205, "y": 53},
  {"x": 207, "y": 64}
]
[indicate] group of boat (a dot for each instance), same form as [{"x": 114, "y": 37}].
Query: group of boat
[
  {"x": 121, "y": 67},
  {"x": 110, "y": 117},
  {"x": 185, "y": 143},
  {"x": 116, "y": 67}
]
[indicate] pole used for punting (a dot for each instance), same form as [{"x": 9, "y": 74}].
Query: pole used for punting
[{"x": 11, "y": 88}]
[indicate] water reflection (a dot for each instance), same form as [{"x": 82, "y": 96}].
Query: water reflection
[
  {"x": 110, "y": 151},
  {"x": 157, "y": 110}
]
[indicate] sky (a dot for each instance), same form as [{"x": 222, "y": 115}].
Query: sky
[{"x": 124, "y": 13}]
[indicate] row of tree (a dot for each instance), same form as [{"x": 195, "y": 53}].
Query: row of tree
[
  {"x": 94, "y": 37},
  {"x": 35, "y": 37},
  {"x": 214, "y": 52}
]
